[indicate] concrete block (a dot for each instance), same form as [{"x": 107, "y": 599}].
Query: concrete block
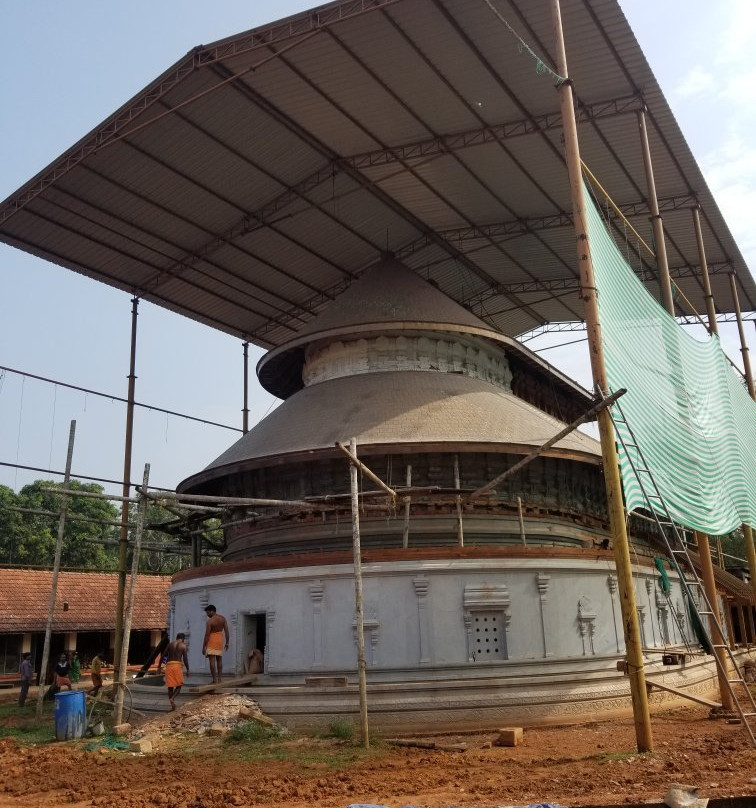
[
  {"x": 217, "y": 729},
  {"x": 121, "y": 729},
  {"x": 143, "y": 745},
  {"x": 509, "y": 736}
]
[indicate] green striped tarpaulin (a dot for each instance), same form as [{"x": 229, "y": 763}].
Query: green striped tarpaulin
[{"x": 690, "y": 412}]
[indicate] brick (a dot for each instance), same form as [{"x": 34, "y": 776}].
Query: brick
[
  {"x": 509, "y": 736},
  {"x": 143, "y": 746}
]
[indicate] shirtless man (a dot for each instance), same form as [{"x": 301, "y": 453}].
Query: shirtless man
[
  {"x": 174, "y": 676},
  {"x": 212, "y": 645}
]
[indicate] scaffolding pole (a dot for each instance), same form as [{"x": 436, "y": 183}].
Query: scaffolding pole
[
  {"x": 56, "y": 570},
  {"x": 359, "y": 617},
  {"x": 633, "y": 644}
]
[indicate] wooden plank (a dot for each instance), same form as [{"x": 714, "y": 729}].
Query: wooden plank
[
  {"x": 698, "y": 699},
  {"x": 240, "y": 680}
]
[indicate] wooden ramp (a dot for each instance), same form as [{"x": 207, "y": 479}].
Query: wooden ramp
[
  {"x": 651, "y": 684},
  {"x": 226, "y": 683}
]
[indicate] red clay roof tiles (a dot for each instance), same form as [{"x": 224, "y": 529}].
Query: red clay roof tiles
[{"x": 91, "y": 598}]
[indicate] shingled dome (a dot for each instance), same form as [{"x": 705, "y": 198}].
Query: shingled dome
[{"x": 388, "y": 297}]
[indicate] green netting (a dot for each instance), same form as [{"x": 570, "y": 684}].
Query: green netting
[{"x": 690, "y": 412}]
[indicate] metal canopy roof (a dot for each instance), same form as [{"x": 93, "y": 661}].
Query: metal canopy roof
[{"x": 258, "y": 176}]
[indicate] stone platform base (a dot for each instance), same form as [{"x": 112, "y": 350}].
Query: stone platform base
[{"x": 523, "y": 695}]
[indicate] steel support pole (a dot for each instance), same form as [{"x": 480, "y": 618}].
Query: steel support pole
[
  {"x": 405, "y": 531},
  {"x": 123, "y": 543},
  {"x": 359, "y": 616},
  {"x": 711, "y": 313},
  {"x": 56, "y": 569},
  {"x": 245, "y": 409},
  {"x": 633, "y": 643},
  {"x": 662, "y": 266},
  {"x": 707, "y": 577}
]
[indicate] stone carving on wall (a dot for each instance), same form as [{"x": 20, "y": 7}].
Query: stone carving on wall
[
  {"x": 649, "y": 586},
  {"x": 270, "y": 660},
  {"x": 388, "y": 352},
  {"x": 586, "y": 619},
  {"x": 421, "y": 585},
  {"x": 479, "y": 603},
  {"x": 542, "y": 582},
  {"x": 642, "y": 624},
  {"x": 371, "y": 630},
  {"x": 611, "y": 582},
  {"x": 204, "y": 598},
  {"x": 316, "y": 591}
]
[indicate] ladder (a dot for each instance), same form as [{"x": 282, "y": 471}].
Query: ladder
[{"x": 677, "y": 549}]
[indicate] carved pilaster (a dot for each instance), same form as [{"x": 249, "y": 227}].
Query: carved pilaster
[
  {"x": 316, "y": 591},
  {"x": 468, "y": 621},
  {"x": 270, "y": 645},
  {"x": 542, "y": 582},
  {"x": 586, "y": 618},
  {"x": 611, "y": 582},
  {"x": 204, "y": 598},
  {"x": 422, "y": 586},
  {"x": 649, "y": 586},
  {"x": 642, "y": 624}
]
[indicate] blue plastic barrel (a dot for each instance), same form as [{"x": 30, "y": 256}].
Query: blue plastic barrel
[{"x": 70, "y": 715}]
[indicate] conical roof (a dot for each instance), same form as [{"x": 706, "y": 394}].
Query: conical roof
[
  {"x": 388, "y": 411},
  {"x": 385, "y": 296}
]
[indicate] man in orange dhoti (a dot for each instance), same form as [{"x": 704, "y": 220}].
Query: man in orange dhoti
[
  {"x": 213, "y": 645},
  {"x": 174, "y": 675}
]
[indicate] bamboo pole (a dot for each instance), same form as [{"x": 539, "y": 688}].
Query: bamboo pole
[
  {"x": 405, "y": 532},
  {"x": 662, "y": 266},
  {"x": 365, "y": 470},
  {"x": 621, "y": 545},
  {"x": 747, "y": 531},
  {"x": 711, "y": 313},
  {"x": 594, "y": 410},
  {"x": 707, "y": 578},
  {"x": 523, "y": 539},
  {"x": 124, "y": 535},
  {"x": 458, "y": 501},
  {"x": 56, "y": 570},
  {"x": 124, "y": 659},
  {"x": 357, "y": 553}
]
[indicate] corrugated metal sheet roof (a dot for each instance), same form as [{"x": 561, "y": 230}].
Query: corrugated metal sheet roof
[{"x": 253, "y": 179}]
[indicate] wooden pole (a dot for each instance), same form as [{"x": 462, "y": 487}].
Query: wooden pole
[
  {"x": 405, "y": 532},
  {"x": 743, "y": 343},
  {"x": 523, "y": 539},
  {"x": 747, "y": 531},
  {"x": 594, "y": 410},
  {"x": 707, "y": 578},
  {"x": 358, "y": 464},
  {"x": 458, "y": 500},
  {"x": 123, "y": 544},
  {"x": 56, "y": 570},
  {"x": 621, "y": 544},
  {"x": 711, "y": 313},
  {"x": 665, "y": 283},
  {"x": 135, "y": 550},
  {"x": 361, "y": 665}
]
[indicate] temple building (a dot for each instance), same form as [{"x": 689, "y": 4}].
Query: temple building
[{"x": 462, "y": 595}]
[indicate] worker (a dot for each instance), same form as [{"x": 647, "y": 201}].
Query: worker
[
  {"x": 62, "y": 673},
  {"x": 75, "y": 667},
  {"x": 95, "y": 670},
  {"x": 255, "y": 661},
  {"x": 174, "y": 675},
  {"x": 27, "y": 674},
  {"x": 213, "y": 645}
]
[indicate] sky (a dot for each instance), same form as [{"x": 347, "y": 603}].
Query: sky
[{"x": 67, "y": 66}]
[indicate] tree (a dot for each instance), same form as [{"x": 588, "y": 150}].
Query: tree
[{"x": 31, "y": 538}]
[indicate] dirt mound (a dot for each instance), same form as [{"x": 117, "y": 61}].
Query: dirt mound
[{"x": 199, "y": 715}]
